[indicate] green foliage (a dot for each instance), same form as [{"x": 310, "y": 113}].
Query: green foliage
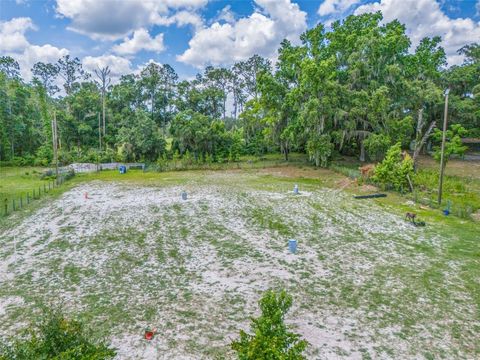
[
  {"x": 462, "y": 192},
  {"x": 394, "y": 170},
  {"x": 142, "y": 140},
  {"x": 354, "y": 83},
  {"x": 199, "y": 135},
  {"x": 319, "y": 149},
  {"x": 55, "y": 337},
  {"x": 125, "y": 152},
  {"x": 453, "y": 142},
  {"x": 401, "y": 130},
  {"x": 255, "y": 129},
  {"x": 377, "y": 145},
  {"x": 162, "y": 163},
  {"x": 271, "y": 338}
]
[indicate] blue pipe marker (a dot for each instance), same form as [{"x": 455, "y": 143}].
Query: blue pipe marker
[
  {"x": 446, "y": 211},
  {"x": 292, "y": 245}
]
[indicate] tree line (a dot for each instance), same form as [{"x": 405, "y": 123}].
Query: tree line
[{"x": 354, "y": 89}]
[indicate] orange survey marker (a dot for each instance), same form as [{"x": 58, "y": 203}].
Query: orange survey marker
[{"x": 149, "y": 334}]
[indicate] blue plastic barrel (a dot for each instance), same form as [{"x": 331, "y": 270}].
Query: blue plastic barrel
[
  {"x": 184, "y": 195},
  {"x": 122, "y": 169},
  {"x": 292, "y": 246}
]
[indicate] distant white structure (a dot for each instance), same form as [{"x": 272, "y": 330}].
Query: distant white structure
[{"x": 90, "y": 167}]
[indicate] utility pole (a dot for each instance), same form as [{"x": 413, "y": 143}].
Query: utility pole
[
  {"x": 55, "y": 142},
  {"x": 442, "y": 156},
  {"x": 104, "y": 77},
  {"x": 99, "y": 133},
  {"x": 99, "y": 142}
]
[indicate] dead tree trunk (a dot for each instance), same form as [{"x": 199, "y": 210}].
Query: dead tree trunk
[
  {"x": 103, "y": 76},
  {"x": 419, "y": 138}
]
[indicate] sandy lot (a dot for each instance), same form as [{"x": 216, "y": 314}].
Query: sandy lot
[{"x": 133, "y": 256}]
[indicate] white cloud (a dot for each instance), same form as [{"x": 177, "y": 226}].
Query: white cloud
[
  {"x": 226, "y": 14},
  {"x": 14, "y": 43},
  {"x": 260, "y": 33},
  {"x": 115, "y": 19},
  {"x": 425, "y": 18},
  {"x": 118, "y": 65},
  {"x": 12, "y": 34},
  {"x": 189, "y": 4},
  {"x": 181, "y": 18},
  {"x": 140, "y": 40},
  {"x": 329, "y": 7}
]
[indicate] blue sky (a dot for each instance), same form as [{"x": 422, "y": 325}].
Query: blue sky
[{"x": 190, "y": 34}]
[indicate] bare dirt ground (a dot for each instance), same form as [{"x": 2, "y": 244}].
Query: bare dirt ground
[{"x": 132, "y": 256}]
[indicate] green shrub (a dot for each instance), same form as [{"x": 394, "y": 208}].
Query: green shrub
[
  {"x": 20, "y": 161},
  {"x": 44, "y": 155},
  {"x": 453, "y": 143},
  {"x": 162, "y": 163},
  {"x": 319, "y": 149},
  {"x": 377, "y": 145},
  {"x": 271, "y": 338},
  {"x": 394, "y": 170},
  {"x": 58, "y": 338}
]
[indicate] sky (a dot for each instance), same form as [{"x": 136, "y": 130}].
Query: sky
[{"x": 191, "y": 34}]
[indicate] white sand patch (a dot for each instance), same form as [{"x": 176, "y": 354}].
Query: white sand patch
[
  {"x": 141, "y": 256},
  {"x": 9, "y": 301}
]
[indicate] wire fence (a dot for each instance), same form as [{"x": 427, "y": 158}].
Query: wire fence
[{"x": 18, "y": 202}]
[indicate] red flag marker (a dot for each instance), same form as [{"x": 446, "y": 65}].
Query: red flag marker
[{"x": 149, "y": 334}]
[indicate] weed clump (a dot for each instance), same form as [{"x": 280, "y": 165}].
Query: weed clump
[
  {"x": 271, "y": 338},
  {"x": 55, "y": 337}
]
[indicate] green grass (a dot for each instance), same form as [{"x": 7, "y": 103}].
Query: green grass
[
  {"x": 17, "y": 182},
  {"x": 463, "y": 194},
  {"x": 461, "y": 187},
  {"x": 418, "y": 287}
]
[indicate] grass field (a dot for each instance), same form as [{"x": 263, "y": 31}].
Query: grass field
[
  {"x": 366, "y": 284},
  {"x": 16, "y": 182},
  {"x": 461, "y": 186}
]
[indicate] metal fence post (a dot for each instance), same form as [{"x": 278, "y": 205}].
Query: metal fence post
[
  {"x": 28, "y": 198},
  {"x": 21, "y": 201},
  {"x": 13, "y": 204},
  {"x": 6, "y": 206}
]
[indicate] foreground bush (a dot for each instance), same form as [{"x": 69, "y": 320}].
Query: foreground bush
[
  {"x": 394, "y": 170},
  {"x": 57, "y": 338},
  {"x": 271, "y": 338}
]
